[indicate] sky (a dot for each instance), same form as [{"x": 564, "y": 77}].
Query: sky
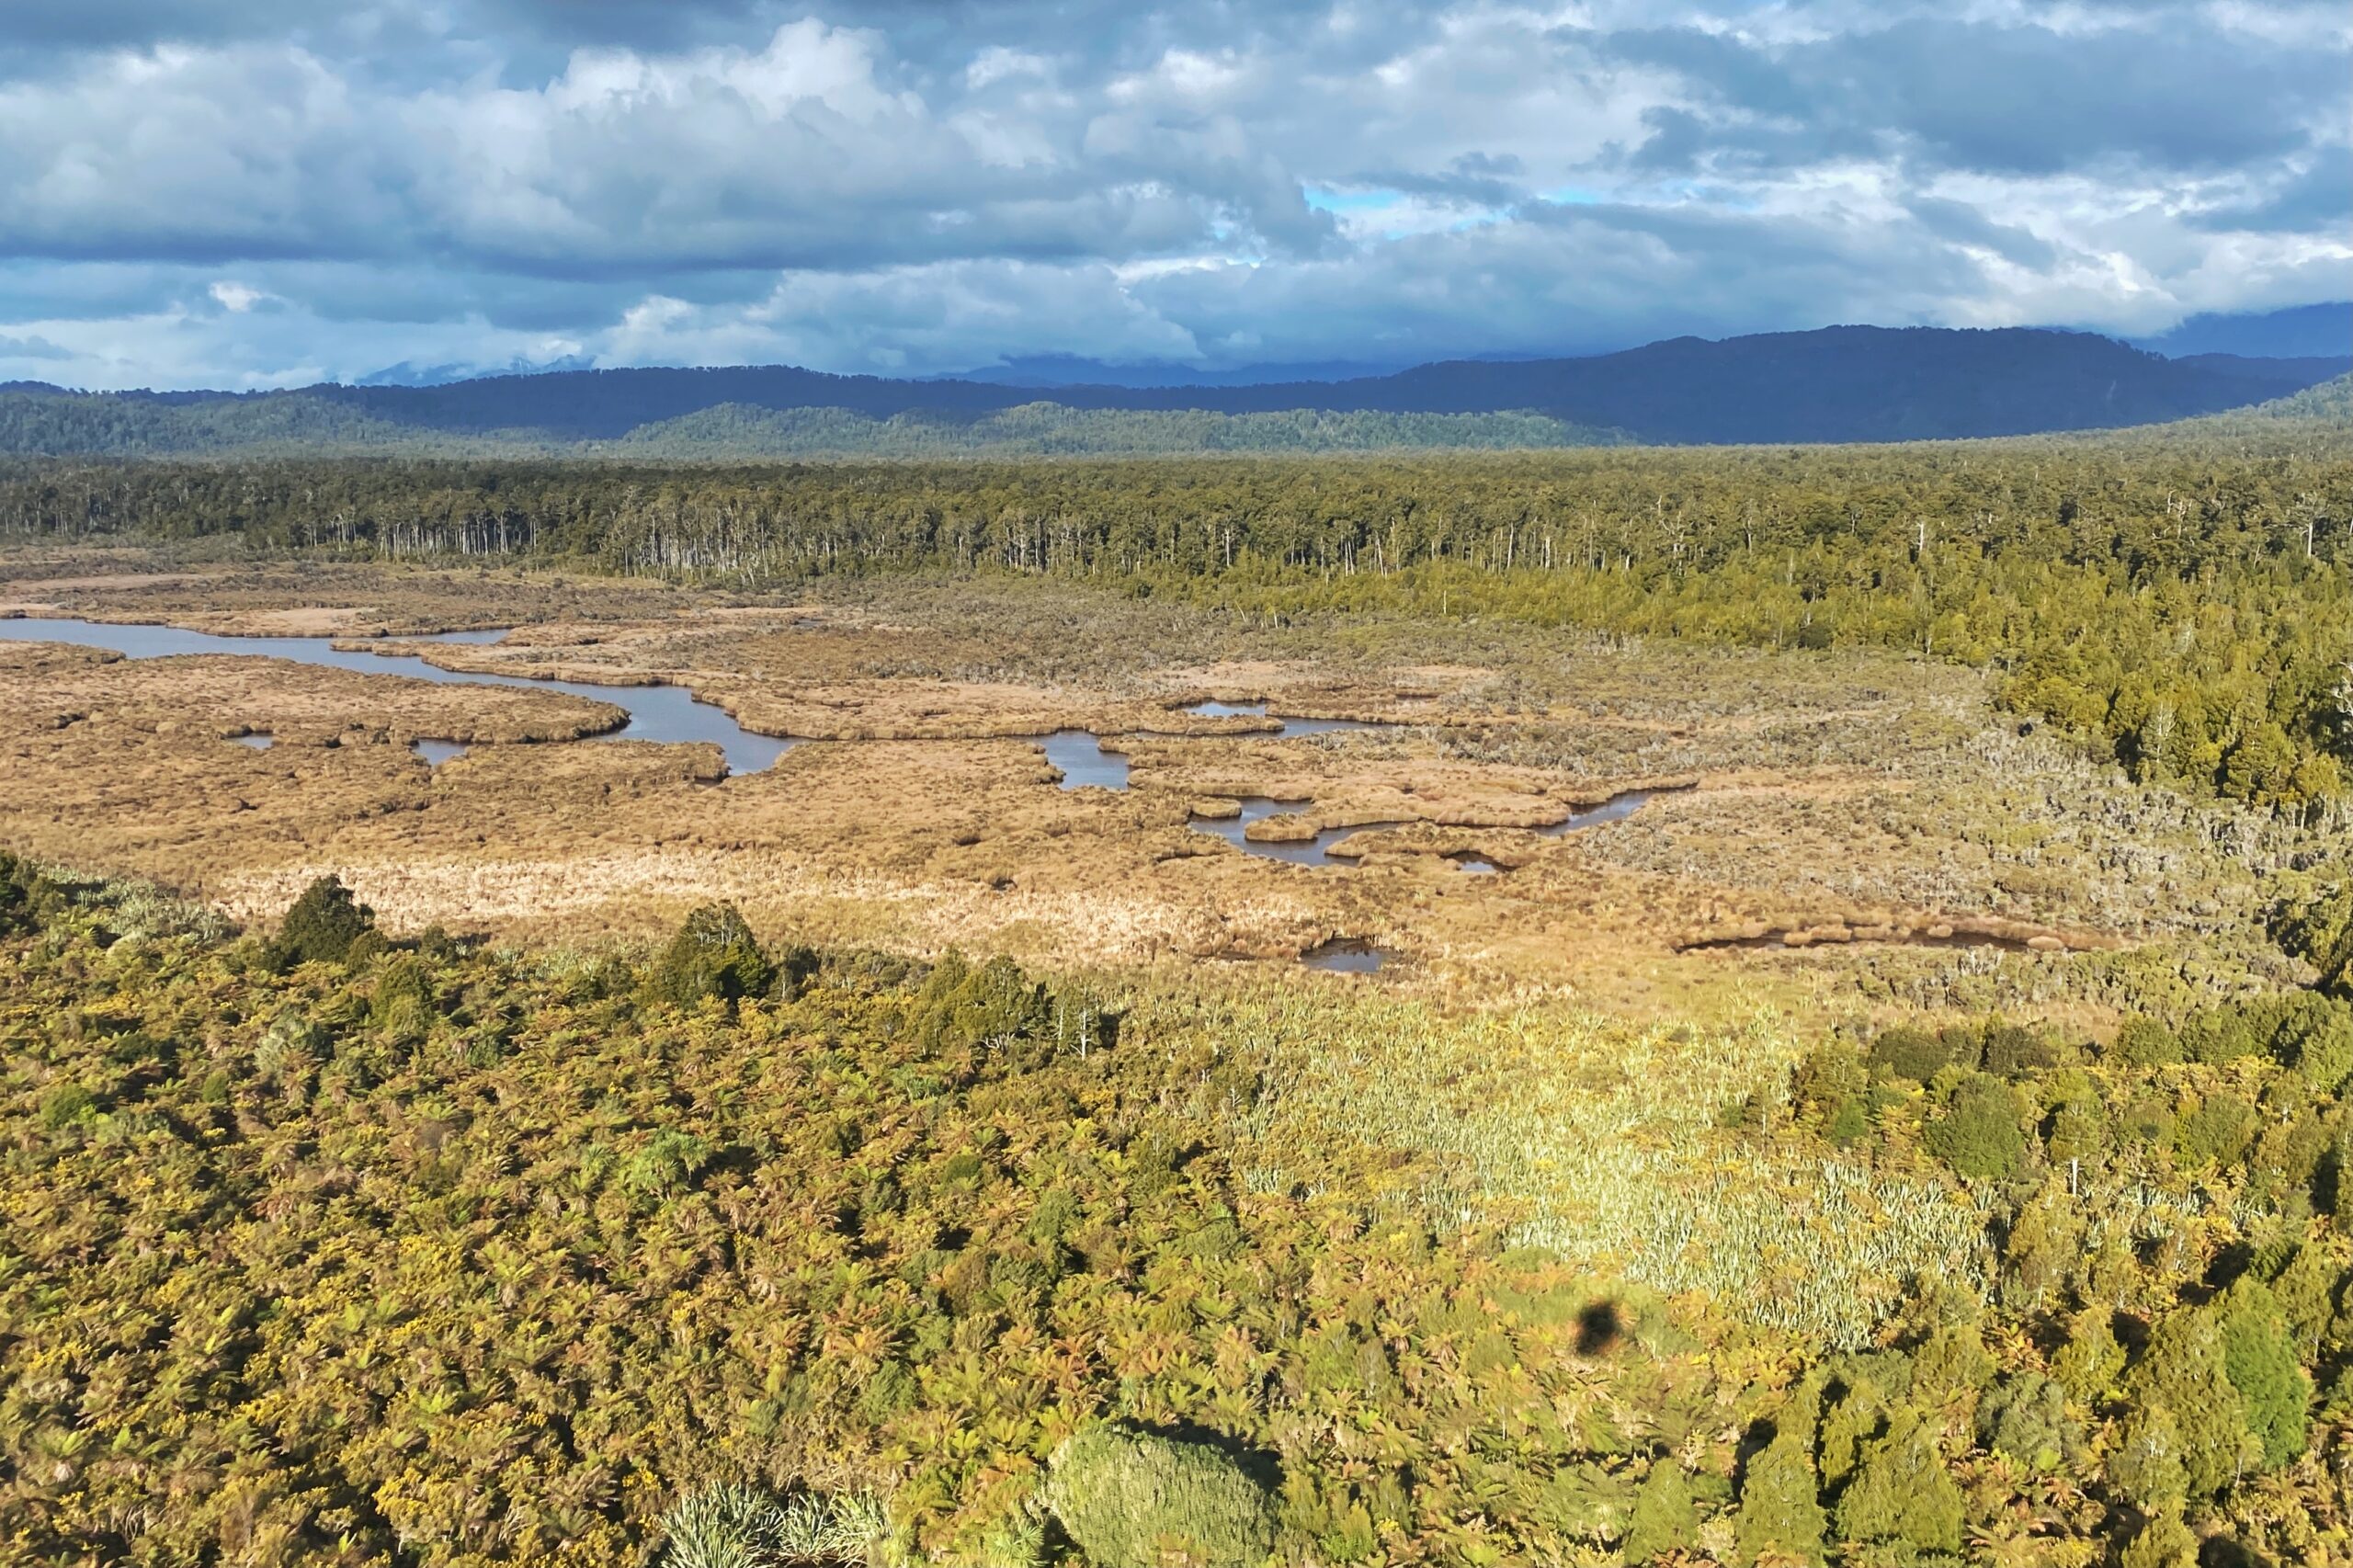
[{"x": 263, "y": 193}]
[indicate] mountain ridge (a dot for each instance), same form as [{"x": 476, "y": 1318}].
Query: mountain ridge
[{"x": 1827, "y": 385}]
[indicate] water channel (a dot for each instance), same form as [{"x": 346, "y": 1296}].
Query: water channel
[
  {"x": 665, "y": 713},
  {"x": 671, "y": 714}
]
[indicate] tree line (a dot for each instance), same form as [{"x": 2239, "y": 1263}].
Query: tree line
[{"x": 2180, "y": 601}]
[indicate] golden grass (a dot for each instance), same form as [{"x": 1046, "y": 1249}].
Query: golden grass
[{"x": 1832, "y": 793}]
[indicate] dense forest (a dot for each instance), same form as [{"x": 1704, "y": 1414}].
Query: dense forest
[
  {"x": 303, "y": 425},
  {"x": 1846, "y": 383},
  {"x": 2179, "y": 599},
  {"x": 330, "y": 1247}
]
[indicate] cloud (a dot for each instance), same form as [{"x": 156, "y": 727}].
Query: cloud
[
  {"x": 31, "y": 348},
  {"x": 248, "y": 191}
]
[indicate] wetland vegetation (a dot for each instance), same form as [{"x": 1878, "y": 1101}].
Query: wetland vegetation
[{"x": 1810, "y": 1020}]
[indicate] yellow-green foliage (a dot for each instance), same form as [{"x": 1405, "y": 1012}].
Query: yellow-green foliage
[
  {"x": 1135, "y": 1499},
  {"x": 448, "y": 1256},
  {"x": 575, "y": 1253},
  {"x": 1599, "y": 1140}
]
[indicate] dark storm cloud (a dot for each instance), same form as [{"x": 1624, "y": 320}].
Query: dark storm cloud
[
  {"x": 2316, "y": 197},
  {"x": 256, "y": 191}
]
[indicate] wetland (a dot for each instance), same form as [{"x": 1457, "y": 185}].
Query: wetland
[{"x": 504, "y": 1048}]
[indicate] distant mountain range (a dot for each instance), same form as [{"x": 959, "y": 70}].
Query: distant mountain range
[
  {"x": 2300, "y": 332},
  {"x": 1847, "y": 383}
]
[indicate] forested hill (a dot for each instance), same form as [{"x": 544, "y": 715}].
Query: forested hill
[{"x": 1834, "y": 385}]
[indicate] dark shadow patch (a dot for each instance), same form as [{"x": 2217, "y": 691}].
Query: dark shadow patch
[
  {"x": 1601, "y": 1328},
  {"x": 1261, "y": 1465}
]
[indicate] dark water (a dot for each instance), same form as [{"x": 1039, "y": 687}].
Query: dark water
[
  {"x": 1085, "y": 764},
  {"x": 665, "y": 713},
  {"x": 436, "y": 753},
  {"x": 1315, "y": 851},
  {"x": 1345, "y": 956},
  {"x": 1290, "y": 727}
]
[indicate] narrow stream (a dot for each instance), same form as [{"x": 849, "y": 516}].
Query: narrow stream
[
  {"x": 1084, "y": 763},
  {"x": 669, "y": 714},
  {"x": 1317, "y": 851}
]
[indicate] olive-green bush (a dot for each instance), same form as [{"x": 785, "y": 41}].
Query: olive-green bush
[{"x": 1132, "y": 1498}]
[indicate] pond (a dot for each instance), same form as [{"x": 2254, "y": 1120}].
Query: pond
[
  {"x": 1084, "y": 763},
  {"x": 668, "y": 714},
  {"x": 1315, "y": 851},
  {"x": 1346, "y": 955}
]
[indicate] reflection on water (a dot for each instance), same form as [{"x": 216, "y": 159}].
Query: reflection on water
[
  {"x": 436, "y": 753},
  {"x": 1315, "y": 851},
  {"x": 665, "y": 713},
  {"x": 1345, "y": 955},
  {"x": 1618, "y": 807},
  {"x": 1290, "y": 727},
  {"x": 259, "y": 743},
  {"x": 1084, "y": 761}
]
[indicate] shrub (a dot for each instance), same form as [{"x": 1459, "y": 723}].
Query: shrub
[
  {"x": 27, "y": 897},
  {"x": 1781, "y": 1503},
  {"x": 2260, "y": 1361},
  {"x": 1132, "y": 1499},
  {"x": 2215, "y": 1132},
  {"x": 2012, "y": 1052},
  {"x": 2146, "y": 1463},
  {"x": 2183, "y": 1377},
  {"x": 2145, "y": 1042},
  {"x": 1828, "y": 1075},
  {"x": 713, "y": 955},
  {"x": 962, "y": 1005},
  {"x": 1902, "y": 1495},
  {"x": 2318, "y": 928},
  {"x": 2313, "y": 1034},
  {"x": 2164, "y": 1542},
  {"x": 322, "y": 927},
  {"x": 667, "y": 1167},
  {"x": 1666, "y": 1519},
  {"x": 1852, "y": 1422},
  {"x": 2025, "y": 1416},
  {"x": 1908, "y": 1052},
  {"x": 2219, "y": 1036},
  {"x": 2088, "y": 1365},
  {"x": 1978, "y": 1134},
  {"x": 64, "y": 1104},
  {"x": 402, "y": 1007}
]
